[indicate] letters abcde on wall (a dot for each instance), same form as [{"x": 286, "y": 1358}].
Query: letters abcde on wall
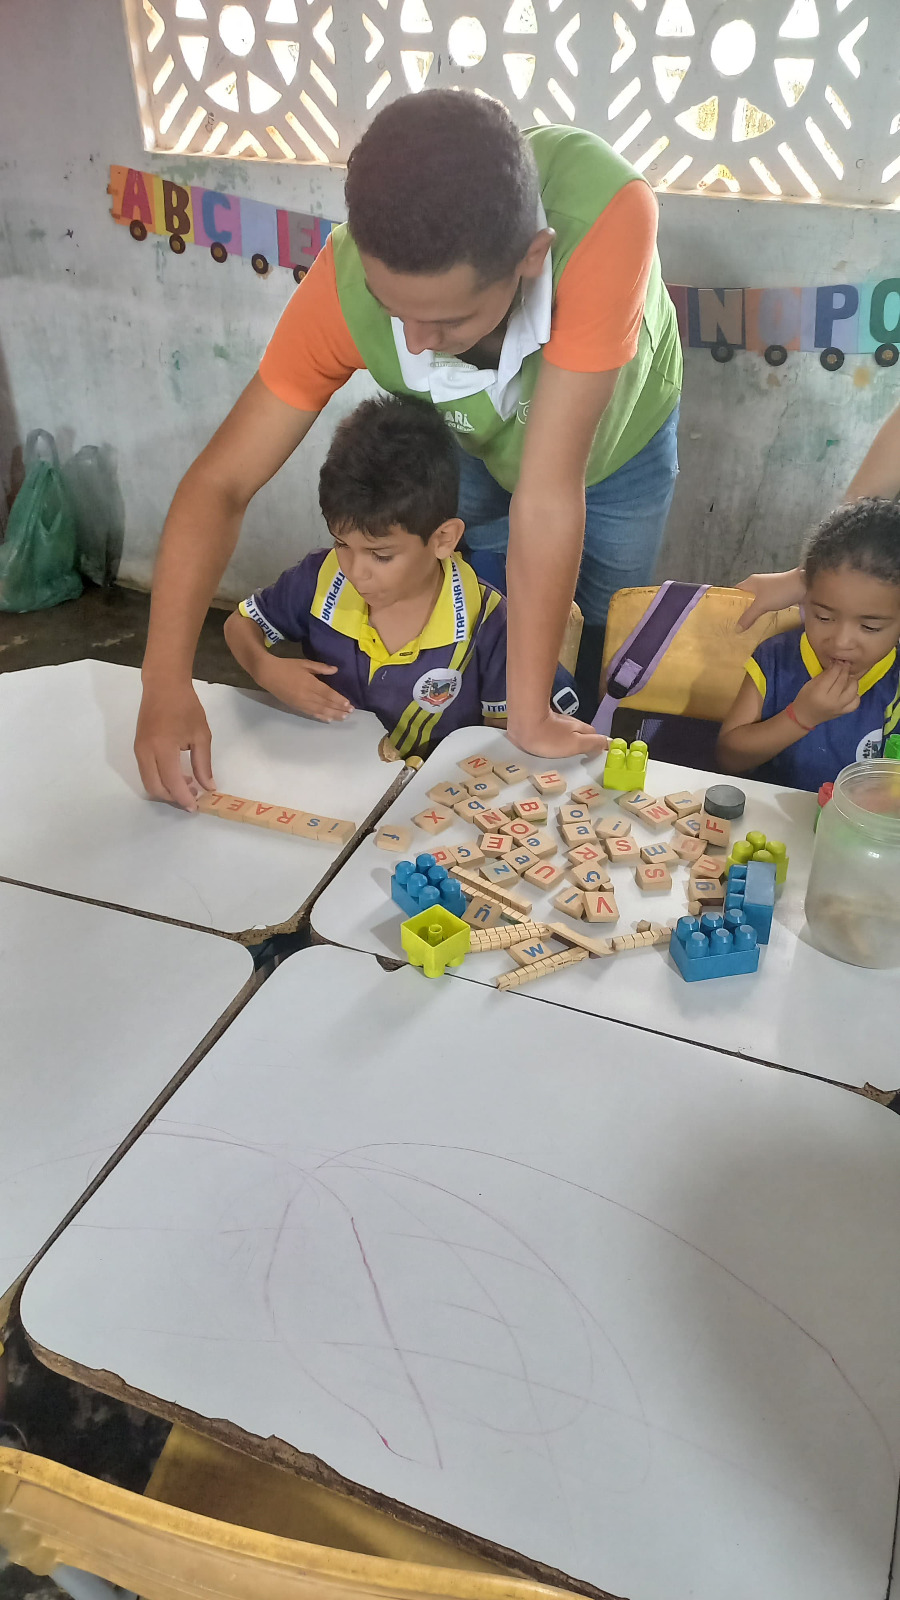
[{"x": 833, "y": 320}]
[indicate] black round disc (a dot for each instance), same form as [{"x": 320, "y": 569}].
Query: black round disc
[
  {"x": 832, "y": 359},
  {"x": 776, "y": 355},
  {"x": 218, "y": 251},
  {"x": 137, "y": 230},
  {"x": 724, "y": 800},
  {"x": 177, "y": 244},
  {"x": 722, "y": 352},
  {"x": 887, "y": 355},
  {"x": 300, "y": 274},
  {"x": 259, "y": 263}
]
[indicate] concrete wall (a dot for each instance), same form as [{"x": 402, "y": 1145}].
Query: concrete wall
[{"x": 108, "y": 342}]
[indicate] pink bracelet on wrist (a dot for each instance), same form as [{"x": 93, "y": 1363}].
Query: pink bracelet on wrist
[{"x": 789, "y": 711}]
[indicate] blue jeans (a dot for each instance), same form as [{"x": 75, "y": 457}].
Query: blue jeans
[{"x": 626, "y": 517}]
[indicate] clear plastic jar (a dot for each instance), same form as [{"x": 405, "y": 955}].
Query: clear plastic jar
[{"x": 853, "y": 896}]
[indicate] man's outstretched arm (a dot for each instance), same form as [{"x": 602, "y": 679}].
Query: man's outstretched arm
[{"x": 199, "y": 537}]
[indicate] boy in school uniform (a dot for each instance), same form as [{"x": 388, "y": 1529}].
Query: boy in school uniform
[
  {"x": 390, "y": 619},
  {"x": 813, "y": 702}
]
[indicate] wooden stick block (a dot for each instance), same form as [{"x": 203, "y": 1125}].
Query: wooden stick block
[
  {"x": 550, "y": 782},
  {"x": 502, "y": 938},
  {"x": 540, "y": 969},
  {"x": 530, "y": 950},
  {"x": 612, "y": 828},
  {"x": 476, "y": 767},
  {"x": 533, "y": 811},
  {"x": 392, "y": 837},
  {"x": 634, "y": 801},
  {"x": 496, "y": 844},
  {"x": 521, "y": 860},
  {"x": 594, "y": 947},
  {"x": 256, "y": 813},
  {"x": 569, "y": 813},
  {"x": 694, "y": 908},
  {"x": 662, "y": 854},
  {"x": 684, "y": 804},
  {"x": 490, "y": 820},
  {"x": 447, "y": 794},
  {"x": 482, "y": 912},
  {"x": 622, "y": 849},
  {"x": 576, "y": 833},
  {"x": 688, "y": 849},
  {"x": 435, "y": 820},
  {"x": 510, "y": 772},
  {"x": 689, "y": 826},
  {"x": 483, "y": 788},
  {"x": 600, "y": 907},
  {"x": 715, "y": 830},
  {"x": 469, "y": 855},
  {"x": 540, "y": 843},
  {"x": 657, "y": 816},
  {"x": 469, "y": 809},
  {"x": 591, "y": 876},
  {"x": 503, "y": 897},
  {"x": 586, "y": 854},
  {"x": 571, "y": 901},
  {"x": 622, "y": 941},
  {"x": 590, "y": 795},
  {"x": 652, "y": 879},
  {"x": 543, "y": 875}
]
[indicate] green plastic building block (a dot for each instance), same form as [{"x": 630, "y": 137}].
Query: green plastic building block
[
  {"x": 756, "y": 847},
  {"x": 435, "y": 939},
  {"x": 892, "y": 747},
  {"x": 626, "y": 765}
]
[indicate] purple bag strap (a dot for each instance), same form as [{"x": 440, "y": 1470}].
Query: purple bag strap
[{"x": 646, "y": 645}]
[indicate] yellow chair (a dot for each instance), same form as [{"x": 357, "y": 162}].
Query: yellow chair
[
  {"x": 56, "y": 1521},
  {"x": 701, "y": 671}
]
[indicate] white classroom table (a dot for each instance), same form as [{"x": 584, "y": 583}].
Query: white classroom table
[
  {"x": 98, "y": 1013},
  {"x": 568, "y": 1286},
  {"x": 802, "y": 1010},
  {"x": 73, "y": 815}
]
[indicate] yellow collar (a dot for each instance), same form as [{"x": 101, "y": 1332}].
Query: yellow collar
[
  {"x": 453, "y": 616},
  {"x": 814, "y": 666}
]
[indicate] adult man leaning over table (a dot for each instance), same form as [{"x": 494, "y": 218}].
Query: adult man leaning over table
[{"x": 513, "y": 281}]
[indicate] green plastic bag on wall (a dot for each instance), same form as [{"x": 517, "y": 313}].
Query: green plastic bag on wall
[{"x": 38, "y": 557}]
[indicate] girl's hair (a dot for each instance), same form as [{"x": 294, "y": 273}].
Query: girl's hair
[{"x": 864, "y": 536}]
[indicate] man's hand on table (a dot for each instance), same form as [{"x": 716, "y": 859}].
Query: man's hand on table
[{"x": 171, "y": 720}]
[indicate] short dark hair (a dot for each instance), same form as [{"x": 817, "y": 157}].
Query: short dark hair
[
  {"x": 864, "y": 535},
  {"x": 440, "y": 178},
  {"x": 391, "y": 462}
]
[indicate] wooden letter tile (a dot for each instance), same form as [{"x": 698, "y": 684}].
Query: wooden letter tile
[
  {"x": 600, "y": 906},
  {"x": 715, "y": 830},
  {"x": 482, "y": 913},
  {"x": 550, "y": 782},
  {"x": 635, "y": 800},
  {"x": 576, "y": 833},
  {"x": 483, "y": 788},
  {"x": 708, "y": 866},
  {"x": 256, "y": 812},
  {"x": 476, "y": 766},
  {"x": 591, "y": 877},
  {"x": 500, "y": 873},
  {"x": 622, "y": 849},
  {"x": 521, "y": 860},
  {"x": 688, "y": 849},
  {"x": 706, "y": 891},
  {"x": 447, "y": 794},
  {"x": 684, "y": 804},
  {"x": 589, "y": 795},
  {"x": 510, "y": 772},
  {"x": 518, "y": 828},
  {"x": 212, "y": 800},
  {"x": 283, "y": 821},
  {"x": 612, "y": 828},
  {"x": 444, "y": 856},
  {"x": 489, "y": 821},
  {"x": 571, "y": 901},
  {"x": 532, "y": 950},
  {"x": 469, "y": 809},
  {"x": 540, "y": 843},
  {"x": 434, "y": 820},
  {"x": 391, "y": 837},
  {"x": 661, "y": 854},
  {"x": 543, "y": 875},
  {"x": 689, "y": 826},
  {"x": 496, "y": 844},
  {"x": 584, "y": 854},
  {"x": 533, "y": 811},
  {"x": 236, "y": 808},
  {"x": 569, "y": 813},
  {"x": 469, "y": 855},
  {"x": 651, "y": 878},
  {"x": 657, "y": 816}
]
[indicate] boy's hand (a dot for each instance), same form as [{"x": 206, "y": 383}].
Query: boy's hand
[
  {"x": 172, "y": 720},
  {"x": 832, "y": 694},
  {"x": 557, "y": 735},
  {"x": 298, "y": 684}
]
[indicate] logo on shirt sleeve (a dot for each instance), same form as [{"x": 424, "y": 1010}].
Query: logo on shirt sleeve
[
  {"x": 869, "y": 747},
  {"x": 437, "y": 689}
]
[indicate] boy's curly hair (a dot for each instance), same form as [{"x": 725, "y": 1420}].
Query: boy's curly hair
[{"x": 392, "y": 461}]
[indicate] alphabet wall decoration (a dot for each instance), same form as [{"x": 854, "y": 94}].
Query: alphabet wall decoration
[{"x": 832, "y": 320}]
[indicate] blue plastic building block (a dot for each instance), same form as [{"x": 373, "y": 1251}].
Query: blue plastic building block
[
  {"x": 417, "y": 888},
  {"x": 751, "y": 891},
  {"x": 716, "y": 946}
]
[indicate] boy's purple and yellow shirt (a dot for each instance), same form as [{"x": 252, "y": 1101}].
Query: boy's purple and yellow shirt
[
  {"x": 452, "y": 676},
  {"x": 779, "y": 668}
]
